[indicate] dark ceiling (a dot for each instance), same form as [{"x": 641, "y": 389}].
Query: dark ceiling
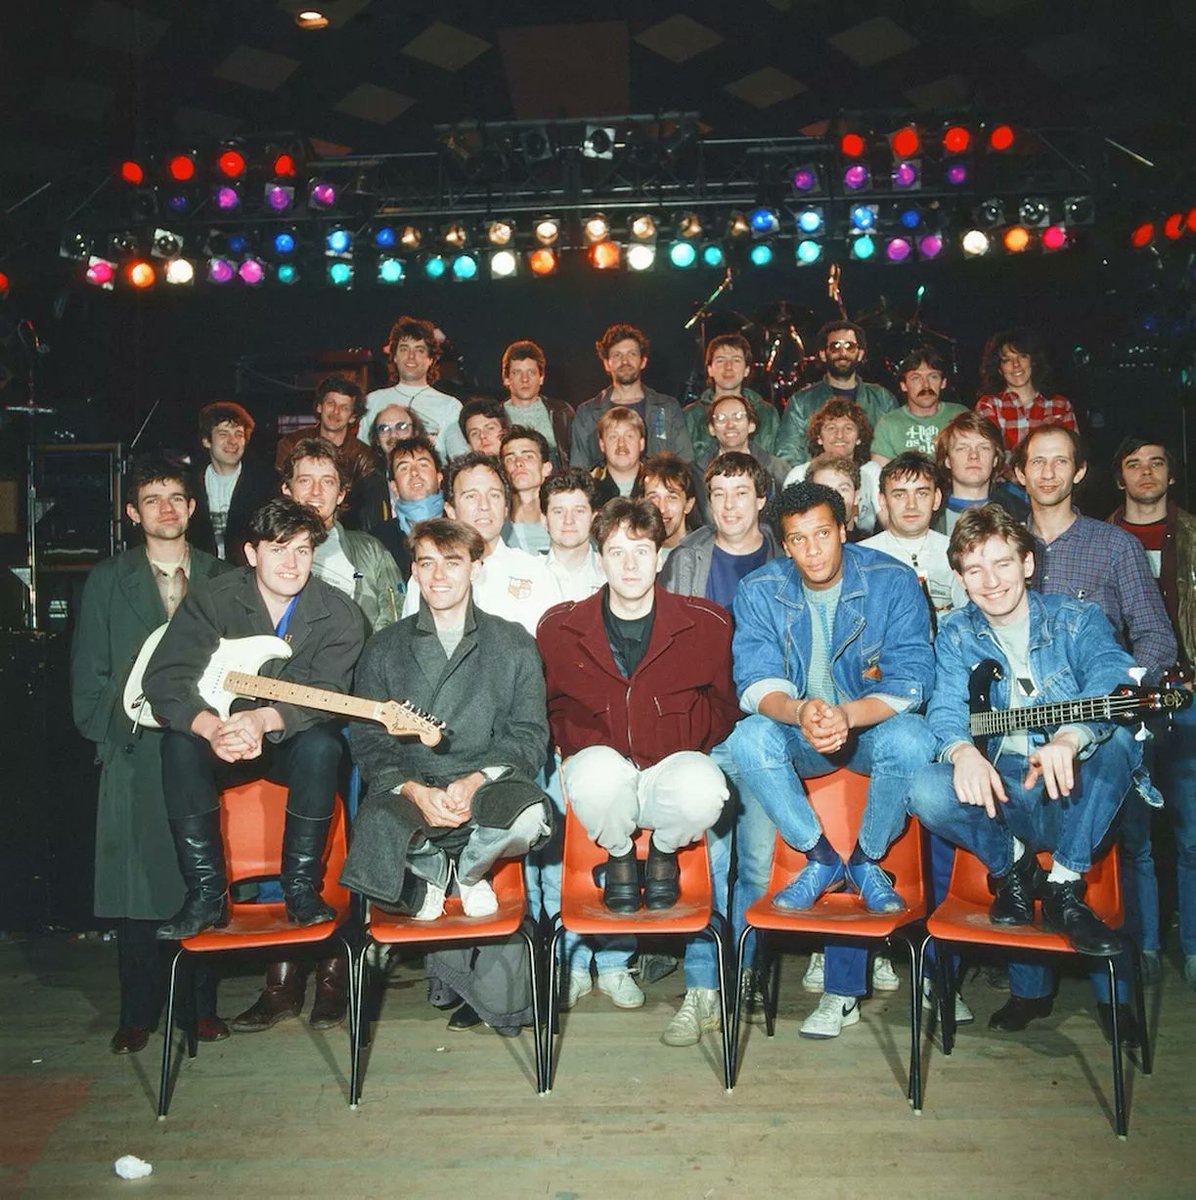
[{"x": 85, "y": 82}]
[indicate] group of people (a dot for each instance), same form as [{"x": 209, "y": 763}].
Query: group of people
[{"x": 664, "y": 619}]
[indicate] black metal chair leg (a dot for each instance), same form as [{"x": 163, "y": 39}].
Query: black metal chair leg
[
  {"x": 945, "y": 985},
  {"x": 357, "y": 967},
  {"x": 741, "y": 967},
  {"x": 716, "y": 920},
  {"x": 527, "y": 930},
  {"x": 1145, "y": 1051},
  {"x": 167, "y": 1039},
  {"x": 915, "y": 1019},
  {"x": 550, "y": 1026},
  {"x": 1118, "y": 1074},
  {"x": 772, "y": 989}
]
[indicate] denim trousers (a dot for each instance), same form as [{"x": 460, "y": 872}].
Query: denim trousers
[{"x": 1071, "y": 828}]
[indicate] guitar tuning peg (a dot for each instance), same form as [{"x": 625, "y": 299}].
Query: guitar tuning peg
[{"x": 1137, "y": 674}]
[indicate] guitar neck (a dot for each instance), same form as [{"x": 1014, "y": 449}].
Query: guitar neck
[
  {"x": 263, "y": 688},
  {"x": 1044, "y": 716}
]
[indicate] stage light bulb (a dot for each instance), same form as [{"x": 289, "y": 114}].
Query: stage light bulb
[
  {"x": 455, "y": 236},
  {"x": 141, "y": 274},
  {"x": 284, "y": 166},
  {"x": 465, "y": 266},
  {"x": 231, "y": 164},
  {"x": 905, "y": 175},
  {"x": 410, "y": 238},
  {"x": 910, "y": 218},
  {"x": 435, "y": 266},
  {"x": 805, "y": 179},
  {"x": 1016, "y": 239},
  {"x": 956, "y": 174},
  {"x": 851, "y": 145},
  {"x": 906, "y": 142},
  {"x": 898, "y": 250},
  {"x": 713, "y": 255},
  {"x": 643, "y": 227},
  {"x": 863, "y": 247},
  {"x": 101, "y": 272},
  {"x": 180, "y": 271},
  {"x": 862, "y": 217},
  {"x": 390, "y": 270},
  {"x": 1001, "y": 138},
  {"x": 279, "y": 198},
  {"x": 596, "y": 229},
  {"x": 220, "y": 271},
  {"x": 227, "y": 198},
  {"x": 640, "y": 258},
  {"x": 338, "y": 241},
  {"x": 288, "y": 273},
  {"x": 808, "y": 252},
  {"x": 322, "y": 194},
  {"x": 504, "y": 264},
  {"x": 604, "y": 255},
  {"x": 930, "y": 245},
  {"x": 385, "y": 238},
  {"x": 132, "y": 173},
  {"x": 975, "y": 243},
  {"x": 340, "y": 274},
  {"x": 765, "y": 220},
  {"x": 182, "y": 168},
  {"x": 856, "y": 177},
  {"x": 1054, "y": 237},
  {"x": 542, "y": 261},
  {"x": 1142, "y": 235},
  {"x": 761, "y": 255},
  {"x": 957, "y": 140},
  {"x": 500, "y": 233},
  {"x": 251, "y": 272},
  {"x": 690, "y": 226},
  {"x": 284, "y": 243},
  {"x": 547, "y": 231},
  {"x": 683, "y": 254},
  {"x": 809, "y": 220},
  {"x": 738, "y": 226}
]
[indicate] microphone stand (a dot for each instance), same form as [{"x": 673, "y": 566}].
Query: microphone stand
[{"x": 701, "y": 313}]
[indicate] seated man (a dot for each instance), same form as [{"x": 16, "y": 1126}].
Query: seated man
[
  {"x": 462, "y": 805},
  {"x": 375, "y": 499},
  {"x": 639, "y": 693},
  {"x": 970, "y": 453},
  {"x": 731, "y": 424},
  {"x": 668, "y": 482},
  {"x": 416, "y": 476},
  {"x": 1059, "y": 794},
  {"x": 832, "y": 647},
  {"x": 527, "y": 459},
  {"x": 276, "y": 594},
  {"x": 483, "y": 422},
  {"x": 621, "y": 443}
]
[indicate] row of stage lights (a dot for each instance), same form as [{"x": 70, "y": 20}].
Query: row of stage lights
[{"x": 1171, "y": 228}]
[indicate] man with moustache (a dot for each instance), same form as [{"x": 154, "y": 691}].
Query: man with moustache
[{"x": 922, "y": 376}]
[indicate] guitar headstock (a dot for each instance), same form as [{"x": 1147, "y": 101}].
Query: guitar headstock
[{"x": 402, "y": 718}]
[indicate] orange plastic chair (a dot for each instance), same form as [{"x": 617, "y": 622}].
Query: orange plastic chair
[
  {"x": 252, "y": 816},
  {"x": 389, "y": 929},
  {"x": 838, "y": 799},
  {"x": 962, "y": 917},
  {"x": 583, "y": 912}
]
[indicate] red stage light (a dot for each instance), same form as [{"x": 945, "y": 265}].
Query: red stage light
[
  {"x": 132, "y": 173},
  {"x": 1001, "y": 138},
  {"x": 1143, "y": 235},
  {"x": 851, "y": 145},
  {"x": 906, "y": 142},
  {"x": 957, "y": 140},
  {"x": 284, "y": 166},
  {"x": 542, "y": 261},
  {"x": 1173, "y": 227},
  {"x": 231, "y": 163},
  {"x": 5, "y": 284},
  {"x": 182, "y": 167},
  {"x": 604, "y": 255},
  {"x": 1054, "y": 237},
  {"x": 141, "y": 274},
  {"x": 1190, "y": 221}
]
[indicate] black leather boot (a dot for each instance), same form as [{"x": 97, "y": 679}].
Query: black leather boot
[
  {"x": 1015, "y": 891},
  {"x": 303, "y": 842},
  {"x": 328, "y": 1011},
  {"x": 662, "y": 879},
  {"x": 282, "y": 997},
  {"x": 200, "y": 850}
]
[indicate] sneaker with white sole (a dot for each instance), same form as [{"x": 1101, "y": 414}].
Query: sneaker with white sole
[
  {"x": 580, "y": 984},
  {"x": 478, "y": 899},
  {"x": 433, "y": 905},
  {"x": 623, "y": 991},
  {"x": 963, "y": 1014},
  {"x": 831, "y": 1017},
  {"x": 811, "y": 981},
  {"x": 884, "y": 978},
  {"x": 699, "y": 1013}
]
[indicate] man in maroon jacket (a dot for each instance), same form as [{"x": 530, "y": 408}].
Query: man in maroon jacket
[{"x": 639, "y": 692}]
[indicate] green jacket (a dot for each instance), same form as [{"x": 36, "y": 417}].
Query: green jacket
[
  {"x": 791, "y": 438},
  {"x": 378, "y": 589},
  {"x": 768, "y": 421}
]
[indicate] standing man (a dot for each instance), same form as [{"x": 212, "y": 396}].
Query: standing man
[
  {"x": 728, "y": 358},
  {"x": 731, "y": 426},
  {"x": 338, "y": 404},
  {"x": 832, "y": 650},
  {"x": 483, "y": 423},
  {"x": 356, "y": 564},
  {"x": 230, "y": 487},
  {"x": 137, "y": 882},
  {"x": 527, "y": 459},
  {"x": 1144, "y": 470},
  {"x": 459, "y": 807},
  {"x": 412, "y": 351},
  {"x": 621, "y": 444},
  {"x": 274, "y": 594},
  {"x": 969, "y": 454},
  {"x": 669, "y": 484},
  {"x": 921, "y": 377},
  {"x": 623, "y": 350},
  {"x": 510, "y": 583},
  {"x": 842, "y": 347},
  {"x": 523, "y": 366},
  {"x": 639, "y": 693},
  {"x": 1083, "y": 559},
  {"x": 909, "y": 498}
]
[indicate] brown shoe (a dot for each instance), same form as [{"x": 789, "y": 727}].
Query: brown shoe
[
  {"x": 328, "y": 1011},
  {"x": 211, "y": 1029},
  {"x": 129, "y": 1039},
  {"x": 282, "y": 997}
]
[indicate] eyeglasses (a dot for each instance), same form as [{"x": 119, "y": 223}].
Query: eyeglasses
[
  {"x": 729, "y": 418},
  {"x": 840, "y": 344},
  {"x": 397, "y": 426}
]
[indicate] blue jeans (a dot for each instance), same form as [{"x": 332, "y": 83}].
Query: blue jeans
[
  {"x": 1070, "y": 829},
  {"x": 542, "y": 875},
  {"x": 1175, "y": 772},
  {"x": 772, "y": 760}
]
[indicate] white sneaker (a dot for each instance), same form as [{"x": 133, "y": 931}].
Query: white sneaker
[
  {"x": 811, "y": 981},
  {"x": 478, "y": 899},
  {"x": 884, "y": 978},
  {"x": 699, "y": 1011},
  {"x": 433, "y": 905},
  {"x": 580, "y": 984},
  {"x": 831, "y": 1016},
  {"x": 621, "y": 988},
  {"x": 963, "y": 1014}
]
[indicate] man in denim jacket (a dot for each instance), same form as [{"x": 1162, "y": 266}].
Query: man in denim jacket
[
  {"x": 1059, "y": 793},
  {"x": 831, "y": 648}
]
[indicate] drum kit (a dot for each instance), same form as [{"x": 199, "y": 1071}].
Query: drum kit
[{"x": 783, "y": 337}]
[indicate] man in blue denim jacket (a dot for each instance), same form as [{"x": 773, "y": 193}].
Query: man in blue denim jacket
[
  {"x": 831, "y": 648},
  {"x": 1059, "y": 793}
]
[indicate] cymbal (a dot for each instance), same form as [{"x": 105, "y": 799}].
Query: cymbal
[{"x": 780, "y": 314}]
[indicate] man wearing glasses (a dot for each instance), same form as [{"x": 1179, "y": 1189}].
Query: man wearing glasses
[
  {"x": 623, "y": 350},
  {"x": 375, "y": 501},
  {"x": 842, "y": 347},
  {"x": 732, "y": 422},
  {"x": 728, "y": 360}
]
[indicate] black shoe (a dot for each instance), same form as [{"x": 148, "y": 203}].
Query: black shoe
[
  {"x": 463, "y": 1018},
  {"x": 662, "y": 879},
  {"x": 1018, "y": 1011},
  {"x": 621, "y": 887},
  {"x": 1127, "y": 1024},
  {"x": 303, "y": 840},
  {"x": 1064, "y": 911},
  {"x": 200, "y": 850},
  {"x": 1014, "y": 892}
]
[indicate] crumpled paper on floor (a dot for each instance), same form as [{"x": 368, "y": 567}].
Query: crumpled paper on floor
[{"x": 129, "y": 1166}]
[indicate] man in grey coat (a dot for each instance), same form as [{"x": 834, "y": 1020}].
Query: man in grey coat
[{"x": 137, "y": 881}]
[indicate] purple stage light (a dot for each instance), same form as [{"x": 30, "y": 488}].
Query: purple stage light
[
  {"x": 278, "y": 198},
  {"x": 220, "y": 270},
  {"x": 856, "y": 177},
  {"x": 957, "y": 174},
  {"x": 251, "y": 271},
  {"x": 804, "y": 179},
  {"x": 323, "y": 195},
  {"x": 930, "y": 245},
  {"x": 179, "y": 203},
  {"x": 905, "y": 175},
  {"x": 227, "y": 198},
  {"x": 898, "y": 250}
]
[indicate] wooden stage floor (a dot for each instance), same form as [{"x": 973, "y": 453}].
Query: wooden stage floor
[{"x": 455, "y": 1116}]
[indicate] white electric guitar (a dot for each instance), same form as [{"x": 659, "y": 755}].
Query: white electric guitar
[{"x": 232, "y": 672}]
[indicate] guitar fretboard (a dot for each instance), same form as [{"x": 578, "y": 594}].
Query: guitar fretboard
[
  {"x": 1064, "y": 712},
  {"x": 263, "y": 688}
]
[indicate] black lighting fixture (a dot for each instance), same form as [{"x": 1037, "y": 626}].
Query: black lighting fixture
[{"x": 598, "y": 142}]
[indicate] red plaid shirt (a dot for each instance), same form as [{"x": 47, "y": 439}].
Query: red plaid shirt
[{"x": 1015, "y": 419}]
